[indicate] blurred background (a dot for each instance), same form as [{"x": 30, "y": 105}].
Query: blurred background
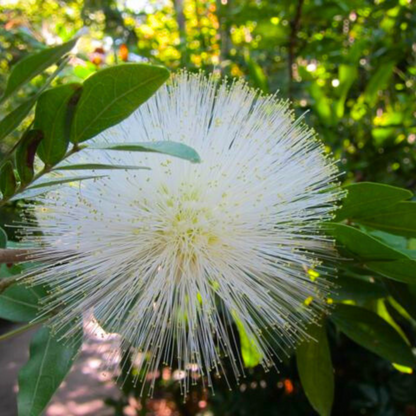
[{"x": 348, "y": 66}]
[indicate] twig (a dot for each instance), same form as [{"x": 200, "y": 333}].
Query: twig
[
  {"x": 14, "y": 255},
  {"x": 294, "y": 24}
]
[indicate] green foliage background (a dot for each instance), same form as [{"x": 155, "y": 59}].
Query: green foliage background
[{"x": 350, "y": 68}]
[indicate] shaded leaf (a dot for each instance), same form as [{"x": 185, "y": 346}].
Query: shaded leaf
[
  {"x": 366, "y": 198},
  {"x": 378, "y": 82},
  {"x": 19, "y": 303},
  {"x": 179, "y": 150},
  {"x": 402, "y": 295},
  {"x": 399, "y": 219},
  {"x": 111, "y": 95},
  {"x": 25, "y": 155},
  {"x": 316, "y": 374},
  {"x": 400, "y": 270},
  {"x": 49, "y": 362},
  {"x": 51, "y": 117},
  {"x": 3, "y": 238},
  {"x": 13, "y": 119},
  {"x": 34, "y": 64},
  {"x": 373, "y": 333},
  {"x": 7, "y": 180},
  {"x": 99, "y": 166}
]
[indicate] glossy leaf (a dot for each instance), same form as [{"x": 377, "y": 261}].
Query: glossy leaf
[
  {"x": 7, "y": 180},
  {"x": 316, "y": 374},
  {"x": 25, "y": 155},
  {"x": 34, "y": 64},
  {"x": 373, "y": 333},
  {"x": 400, "y": 270},
  {"x": 399, "y": 219},
  {"x": 111, "y": 95},
  {"x": 49, "y": 362},
  {"x": 179, "y": 150},
  {"x": 366, "y": 198},
  {"x": 52, "y": 118}
]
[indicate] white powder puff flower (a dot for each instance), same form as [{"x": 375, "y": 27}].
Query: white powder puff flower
[{"x": 172, "y": 258}]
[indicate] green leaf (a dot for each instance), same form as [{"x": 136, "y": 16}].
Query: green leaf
[
  {"x": 25, "y": 155},
  {"x": 362, "y": 245},
  {"x": 357, "y": 288},
  {"x": 52, "y": 117},
  {"x": 19, "y": 303},
  {"x": 179, "y": 150},
  {"x": 99, "y": 166},
  {"x": 322, "y": 105},
  {"x": 398, "y": 219},
  {"x": 366, "y": 198},
  {"x": 34, "y": 64},
  {"x": 373, "y": 333},
  {"x": 316, "y": 374},
  {"x": 13, "y": 119},
  {"x": 111, "y": 95},
  {"x": 7, "y": 180},
  {"x": 31, "y": 193},
  {"x": 374, "y": 254},
  {"x": 400, "y": 270},
  {"x": 53, "y": 182},
  {"x": 402, "y": 295},
  {"x": 49, "y": 362}
]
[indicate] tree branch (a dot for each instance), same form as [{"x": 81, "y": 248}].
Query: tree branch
[{"x": 294, "y": 24}]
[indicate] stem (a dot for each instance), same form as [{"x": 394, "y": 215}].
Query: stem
[
  {"x": 11, "y": 256},
  {"x": 22, "y": 329},
  {"x": 294, "y": 24}
]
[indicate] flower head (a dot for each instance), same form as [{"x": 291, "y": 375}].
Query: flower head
[{"x": 171, "y": 257}]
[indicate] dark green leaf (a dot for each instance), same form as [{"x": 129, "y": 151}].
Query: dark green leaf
[
  {"x": 357, "y": 288},
  {"x": 399, "y": 219},
  {"x": 366, "y": 198},
  {"x": 33, "y": 65},
  {"x": 374, "y": 333},
  {"x": 25, "y": 155},
  {"x": 315, "y": 370},
  {"x": 49, "y": 362},
  {"x": 165, "y": 147},
  {"x": 402, "y": 295},
  {"x": 99, "y": 166},
  {"x": 111, "y": 95},
  {"x": 19, "y": 303},
  {"x": 362, "y": 245},
  {"x": 7, "y": 180},
  {"x": 51, "y": 118},
  {"x": 401, "y": 270},
  {"x": 13, "y": 119},
  {"x": 31, "y": 193}
]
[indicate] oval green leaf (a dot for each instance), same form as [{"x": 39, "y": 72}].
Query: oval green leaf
[
  {"x": 366, "y": 198},
  {"x": 316, "y": 374},
  {"x": 111, "y": 95},
  {"x": 373, "y": 333},
  {"x": 7, "y": 180},
  {"x": 52, "y": 118},
  {"x": 49, "y": 362}
]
